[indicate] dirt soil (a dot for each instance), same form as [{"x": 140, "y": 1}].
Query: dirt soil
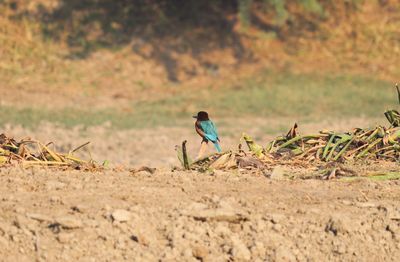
[
  {"x": 116, "y": 215},
  {"x": 189, "y": 216}
]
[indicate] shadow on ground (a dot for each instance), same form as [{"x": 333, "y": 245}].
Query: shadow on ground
[{"x": 157, "y": 30}]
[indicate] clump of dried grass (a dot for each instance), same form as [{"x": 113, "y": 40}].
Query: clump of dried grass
[{"x": 29, "y": 152}]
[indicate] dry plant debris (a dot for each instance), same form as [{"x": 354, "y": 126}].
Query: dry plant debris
[
  {"x": 325, "y": 151},
  {"x": 29, "y": 152}
]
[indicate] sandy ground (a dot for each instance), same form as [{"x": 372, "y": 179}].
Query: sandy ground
[{"x": 115, "y": 215}]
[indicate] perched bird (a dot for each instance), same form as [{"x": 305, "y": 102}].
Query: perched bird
[{"x": 207, "y": 130}]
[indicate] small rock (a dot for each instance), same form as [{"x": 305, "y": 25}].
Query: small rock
[
  {"x": 80, "y": 208},
  {"x": 226, "y": 248},
  {"x": 141, "y": 238},
  {"x": 121, "y": 215},
  {"x": 221, "y": 215},
  {"x": 340, "y": 248},
  {"x": 236, "y": 228},
  {"x": 337, "y": 225},
  {"x": 347, "y": 202},
  {"x": 187, "y": 253},
  {"x": 200, "y": 252},
  {"x": 201, "y": 212},
  {"x": 19, "y": 210},
  {"x": 107, "y": 207},
  {"x": 277, "y": 227},
  {"x": 278, "y": 218},
  {"x": 64, "y": 238},
  {"x": 222, "y": 230},
  {"x": 225, "y": 205},
  {"x": 69, "y": 222}
]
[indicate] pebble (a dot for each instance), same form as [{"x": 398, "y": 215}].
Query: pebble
[
  {"x": 121, "y": 215},
  {"x": 64, "y": 238},
  {"x": 339, "y": 246},
  {"x": 337, "y": 225},
  {"x": 236, "y": 228},
  {"x": 222, "y": 230},
  {"x": 80, "y": 208},
  {"x": 141, "y": 238},
  {"x": 19, "y": 210},
  {"x": 347, "y": 202},
  {"x": 200, "y": 252},
  {"x": 277, "y": 218},
  {"x": 277, "y": 227},
  {"x": 217, "y": 214},
  {"x": 187, "y": 253}
]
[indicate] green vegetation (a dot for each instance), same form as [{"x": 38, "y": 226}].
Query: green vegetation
[
  {"x": 307, "y": 95},
  {"x": 271, "y": 95}
]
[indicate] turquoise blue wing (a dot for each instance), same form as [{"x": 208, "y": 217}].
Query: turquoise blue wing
[
  {"x": 211, "y": 133},
  {"x": 209, "y": 130}
]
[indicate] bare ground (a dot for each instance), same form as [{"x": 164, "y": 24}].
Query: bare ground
[
  {"x": 50, "y": 215},
  {"x": 176, "y": 216}
]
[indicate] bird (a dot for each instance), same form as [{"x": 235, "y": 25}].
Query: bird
[{"x": 207, "y": 130}]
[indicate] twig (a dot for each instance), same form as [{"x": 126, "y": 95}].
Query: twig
[
  {"x": 185, "y": 157},
  {"x": 79, "y": 147}
]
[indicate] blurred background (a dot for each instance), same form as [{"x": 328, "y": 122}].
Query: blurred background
[{"x": 129, "y": 74}]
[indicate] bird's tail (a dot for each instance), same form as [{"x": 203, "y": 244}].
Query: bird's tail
[{"x": 217, "y": 147}]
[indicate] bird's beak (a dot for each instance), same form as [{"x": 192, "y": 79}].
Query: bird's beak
[{"x": 195, "y": 117}]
